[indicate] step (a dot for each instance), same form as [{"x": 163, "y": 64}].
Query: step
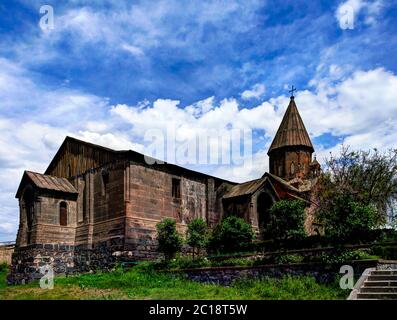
[
  {"x": 382, "y": 277},
  {"x": 376, "y": 295},
  {"x": 378, "y": 289},
  {"x": 384, "y": 272},
  {"x": 382, "y": 283}
]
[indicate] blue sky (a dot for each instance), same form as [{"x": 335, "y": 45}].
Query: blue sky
[{"x": 109, "y": 71}]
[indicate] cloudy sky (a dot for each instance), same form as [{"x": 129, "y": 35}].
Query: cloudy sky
[{"x": 109, "y": 71}]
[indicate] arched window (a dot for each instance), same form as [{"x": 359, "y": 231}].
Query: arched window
[
  {"x": 63, "y": 214},
  {"x": 292, "y": 168}
]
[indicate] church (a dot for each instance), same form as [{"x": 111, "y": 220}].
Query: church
[{"x": 94, "y": 206}]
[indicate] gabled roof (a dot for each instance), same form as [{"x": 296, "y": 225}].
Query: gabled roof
[
  {"x": 292, "y": 131},
  {"x": 250, "y": 187},
  {"x": 46, "y": 182},
  {"x": 132, "y": 156},
  {"x": 246, "y": 188}
]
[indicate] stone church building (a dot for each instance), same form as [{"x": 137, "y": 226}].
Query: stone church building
[{"x": 94, "y": 206}]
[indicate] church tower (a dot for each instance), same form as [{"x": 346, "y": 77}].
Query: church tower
[{"x": 290, "y": 153}]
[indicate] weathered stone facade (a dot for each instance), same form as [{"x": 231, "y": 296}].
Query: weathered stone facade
[
  {"x": 323, "y": 273},
  {"x": 6, "y": 251},
  {"x": 95, "y": 206}
]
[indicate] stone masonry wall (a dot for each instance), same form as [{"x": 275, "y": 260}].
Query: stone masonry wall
[
  {"x": 6, "y": 254},
  {"x": 321, "y": 272},
  {"x": 65, "y": 259}
]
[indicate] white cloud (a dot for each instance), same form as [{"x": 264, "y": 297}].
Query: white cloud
[
  {"x": 256, "y": 92},
  {"x": 134, "y": 50},
  {"x": 34, "y": 120},
  {"x": 370, "y": 10}
]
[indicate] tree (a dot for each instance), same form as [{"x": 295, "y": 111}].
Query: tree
[
  {"x": 169, "y": 240},
  {"x": 365, "y": 177},
  {"x": 287, "y": 220},
  {"x": 231, "y": 235},
  {"x": 347, "y": 219},
  {"x": 197, "y": 234}
]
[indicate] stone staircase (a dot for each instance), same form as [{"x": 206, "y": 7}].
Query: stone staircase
[{"x": 376, "y": 284}]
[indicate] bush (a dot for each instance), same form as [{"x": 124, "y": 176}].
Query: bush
[
  {"x": 287, "y": 220},
  {"x": 288, "y": 258},
  {"x": 348, "y": 220},
  {"x": 4, "y": 267},
  {"x": 188, "y": 263},
  {"x": 197, "y": 234},
  {"x": 169, "y": 240},
  {"x": 385, "y": 252},
  {"x": 233, "y": 262},
  {"x": 343, "y": 255},
  {"x": 233, "y": 234}
]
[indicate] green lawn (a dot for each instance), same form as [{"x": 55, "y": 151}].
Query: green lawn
[{"x": 142, "y": 283}]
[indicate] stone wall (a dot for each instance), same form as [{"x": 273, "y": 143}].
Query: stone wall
[
  {"x": 65, "y": 259},
  {"x": 6, "y": 253},
  {"x": 321, "y": 272}
]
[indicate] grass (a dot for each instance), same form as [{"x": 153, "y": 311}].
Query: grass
[{"x": 144, "y": 283}]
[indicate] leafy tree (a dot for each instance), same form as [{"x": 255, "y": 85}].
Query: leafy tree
[
  {"x": 348, "y": 219},
  {"x": 233, "y": 234},
  {"x": 287, "y": 220},
  {"x": 169, "y": 240},
  {"x": 197, "y": 234},
  {"x": 366, "y": 177}
]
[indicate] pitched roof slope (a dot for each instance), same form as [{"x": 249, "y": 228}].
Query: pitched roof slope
[
  {"x": 292, "y": 131},
  {"x": 43, "y": 181}
]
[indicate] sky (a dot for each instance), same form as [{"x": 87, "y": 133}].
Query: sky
[{"x": 108, "y": 72}]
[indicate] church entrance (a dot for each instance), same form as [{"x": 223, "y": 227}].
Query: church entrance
[{"x": 264, "y": 202}]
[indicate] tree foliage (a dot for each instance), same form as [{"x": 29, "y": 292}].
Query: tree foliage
[
  {"x": 347, "y": 219},
  {"x": 233, "y": 234},
  {"x": 287, "y": 220},
  {"x": 366, "y": 177},
  {"x": 169, "y": 240},
  {"x": 197, "y": 234}
]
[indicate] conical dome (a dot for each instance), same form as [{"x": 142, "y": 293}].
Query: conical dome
[{"x": 292, "y": 131}]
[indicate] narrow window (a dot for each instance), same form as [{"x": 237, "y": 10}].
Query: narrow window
[
  {"x": 292, "y": 168},
  {"x": 69, "y": 171},
  {"x": 105, "y": 182},
  {"x": 176, "y": 188},
  {"x": 63, "y": 214}
]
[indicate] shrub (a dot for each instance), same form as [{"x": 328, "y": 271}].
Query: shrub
[
  {"x": 3, "y": 267},
  {"x": 169, "y": 240},
  {"x": 233, "y": 262},
  {"x": 288, "y": 258},
  {"x": 233, "y": 234},
  {"x": 197, "y": 234},
  {"x": 385, "y": 252},
  {"x": 347, "y": 219},
  {"x": 343, "y": 255},
  {"x": 188, "y": 263},
  {"x": 287, "y": 220}
]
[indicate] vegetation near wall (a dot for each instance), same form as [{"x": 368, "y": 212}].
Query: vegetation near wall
[
  {"x": 287, "y": 220},
  {"x": 357, "y": 192}
]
